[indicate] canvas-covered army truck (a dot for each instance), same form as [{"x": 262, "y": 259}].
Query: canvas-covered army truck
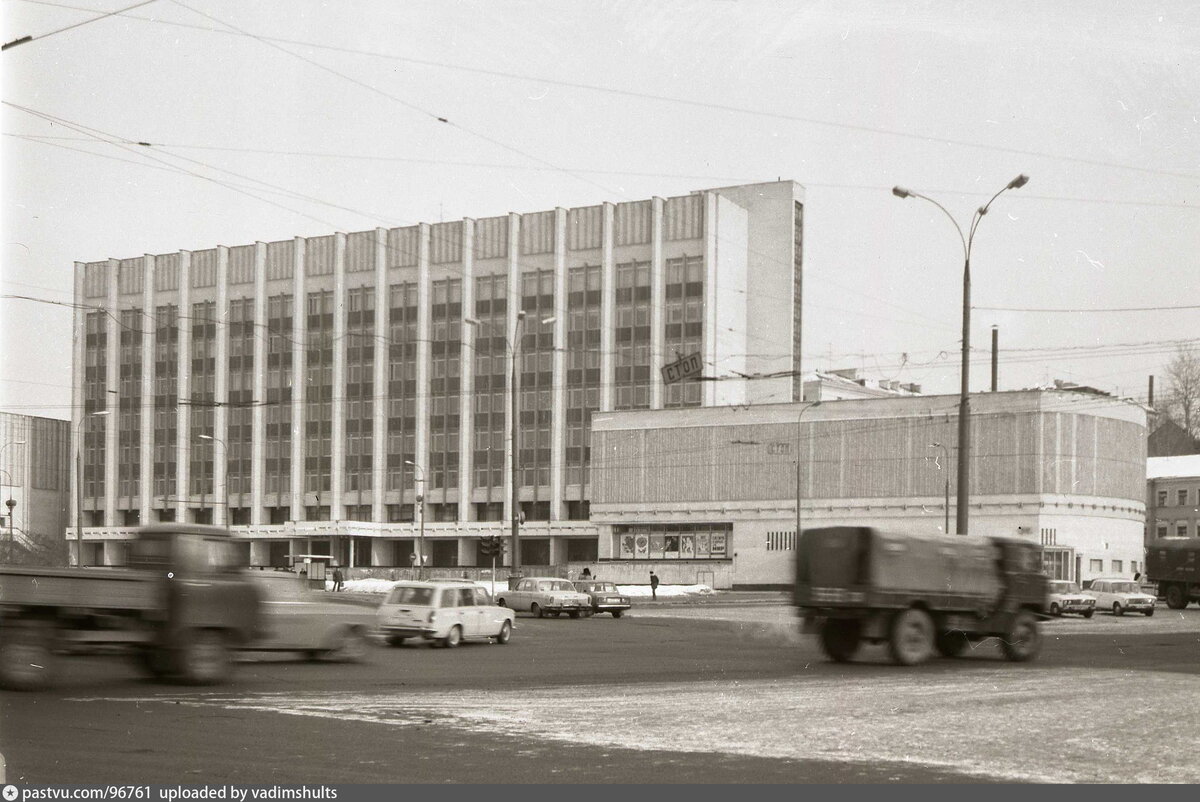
[
  {"x": 181, "y": 606},
  {"x": 1173, "y": 564},
  {"x": 918, "y": 593}
]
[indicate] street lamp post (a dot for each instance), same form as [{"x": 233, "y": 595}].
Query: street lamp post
[
  {"x": 946, "y": 469},
  {"x": 79, "y": 481},
  {"x": 421, "y": 527},
  {"x": 225, "y": 454},
  {"x": 799, "y": 486},
  {"x": 10, "y": 504},
  {"x": 514, "y": 346},
  {"x": 964, "y": 405}
]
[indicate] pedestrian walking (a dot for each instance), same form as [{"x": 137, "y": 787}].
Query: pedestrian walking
[
  {"x": 653, "y": 585},
  {"x": 587, "y": 573},
  {"x": 338, "y": 579}
]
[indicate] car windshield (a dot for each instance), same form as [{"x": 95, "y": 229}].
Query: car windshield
[
  {"x": 1125, "y": 587},
  {"x": 1064, "y": 587},
  {"x": 420, "y": 597},
  {"x": 607, "y": 587},
  {"x": 557, "y": 584}
]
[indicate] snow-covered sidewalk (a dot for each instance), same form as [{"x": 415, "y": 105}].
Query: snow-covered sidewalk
[{"x": 381, "y": 586}]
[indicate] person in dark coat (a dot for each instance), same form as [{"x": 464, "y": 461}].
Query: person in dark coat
[
  {"x": 653, "y": 585},
  {"x": 587, "y": 573},
  {"x": 338, "y": 579}
]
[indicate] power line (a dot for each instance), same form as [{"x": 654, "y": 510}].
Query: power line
[
  {"x": 1113, "y": 309},
  {"x": 585, "y": 170},
  {"x": 644, "y": 95},
  {"x": 26, "y": 39}
]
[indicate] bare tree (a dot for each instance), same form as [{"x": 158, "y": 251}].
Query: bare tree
[{"x": 1183, "y": 389}]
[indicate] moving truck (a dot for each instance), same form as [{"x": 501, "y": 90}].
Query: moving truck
[
  {"x": 181, "y": 605},
  {"x": 1173, "y": 563},
  {"x": 918, "y": 593}
]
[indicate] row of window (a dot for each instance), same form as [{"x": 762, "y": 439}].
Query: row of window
[
  {"x": 1177, "y": 529},
  {"x": 1181, "y": 496}
]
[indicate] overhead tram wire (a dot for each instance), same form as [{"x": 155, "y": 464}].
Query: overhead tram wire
[
  {"x": 643, "y": 95},
  {"x": 407, "y": 104},
  {"x": 1086, "y": 310},
  {"x": 27, "y": 39}
]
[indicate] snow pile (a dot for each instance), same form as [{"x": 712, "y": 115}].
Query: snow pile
[{"x": 665, "y": 591}]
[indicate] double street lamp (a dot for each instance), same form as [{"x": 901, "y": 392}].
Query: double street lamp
[
  {"x": 79, "y": 480},
  {"x": 964, "y": 408},
  {"x": 420, "y": 511},
  {"x": 225, "y": 483},
  {"x": 514, "y": 346},
  {"x": 10, "y": 504}
]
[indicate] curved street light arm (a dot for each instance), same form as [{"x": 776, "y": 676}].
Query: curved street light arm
[{"x": 957, "y": 227}]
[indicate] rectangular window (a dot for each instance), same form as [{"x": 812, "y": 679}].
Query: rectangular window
[
  {"x": 1096, "y": 566},
  {"x": 1181, "y": 497},
  {"x": 1162, "y": 498},
  {"x": 1161, "y": 530},
  {"x": 1181, "y": 528},
  {"x": 1117, "y": 566}
]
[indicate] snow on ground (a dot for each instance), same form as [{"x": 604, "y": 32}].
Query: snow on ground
[{"x": 382, "y": 586}]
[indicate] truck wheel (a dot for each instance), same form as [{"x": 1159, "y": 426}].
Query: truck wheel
[
  {"x": 840, "y": 639},
  {"x": 911, "y": 639},
  {"x": 1023, "y": 640},
  {"x": 952, "y": 643},
  {"x": 204, "y": 658},
  {"x": 25, "y": 658},
  {"x": 349, "y": 647},
  {"x": 151, "y": 662},
  {"x": 1176, "y": 598}
]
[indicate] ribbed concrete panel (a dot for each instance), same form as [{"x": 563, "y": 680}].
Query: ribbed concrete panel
[
  {"x": 129, "y": 276},
  {"x": 445, "y": 242},
  {"x": 360, "y": 252},
  {"x": 585, "y": 228},
  {"x": 537, "y": 233},
  {"x": 95, "y": 279},
  {"x": 241, "y": 265},
  {"x": 491, "y": 238},
  {"x": 403, "y": 246},
  {"x": 280, "y": 260},
  {"x": 633, "y": 222},
  {"x": 166, "y": 272},
  {"x": 684, "y": 217},
  {"x": 319, "y": 256},
  {"x": 204, "y": 268}
]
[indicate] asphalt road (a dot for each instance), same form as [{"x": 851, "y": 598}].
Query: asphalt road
[{"x": 675, "y": 694}]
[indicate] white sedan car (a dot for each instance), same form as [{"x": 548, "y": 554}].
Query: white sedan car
[
  {"x": 1120, "y": 596},
  {"x": 445, "y": 612},
  {"x": 1066, "y": 597},
  {"x": 545, "y": 595}
]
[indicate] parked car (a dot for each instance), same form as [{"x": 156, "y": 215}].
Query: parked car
[
  {"x": 446, "y": 612},
  {"x": 1120, "y": 596},
  {"x": 1066, "y": 597},
  {"x": 315, "y": 624},
  {"x": 605, "y": 596},
  {"x": 545, "y": 595}
]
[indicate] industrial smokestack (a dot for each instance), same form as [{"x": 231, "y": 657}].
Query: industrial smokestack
[
  {"x": 1150, "y": 400},
  {"x": 995, "y": 359}
]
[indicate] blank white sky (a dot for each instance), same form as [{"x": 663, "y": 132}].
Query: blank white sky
[{"x": 1099, "y": 102}]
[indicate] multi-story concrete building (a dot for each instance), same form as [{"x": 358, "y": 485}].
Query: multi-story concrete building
[
  {"x": 710, "y": 495},
  {"x": 34, "y": 488},
  {"x": 308, "y": 392},
  {"x": 1172, "y": 497}
]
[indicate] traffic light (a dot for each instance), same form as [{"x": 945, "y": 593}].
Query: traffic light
[{"x": 491, "y": 546}]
